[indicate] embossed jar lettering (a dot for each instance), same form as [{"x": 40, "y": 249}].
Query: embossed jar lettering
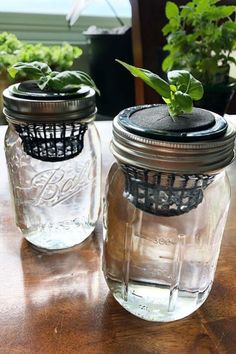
[{"x": 55, "y": 186}]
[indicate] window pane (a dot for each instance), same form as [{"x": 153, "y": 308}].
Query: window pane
[
  {"x": 36, "y": 6},
  {"x": 96, "y": 7}
]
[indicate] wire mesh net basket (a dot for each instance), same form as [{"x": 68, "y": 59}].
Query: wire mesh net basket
[
  {"x": 164, "y": 194},
  {"x": 52, "y": 141}
]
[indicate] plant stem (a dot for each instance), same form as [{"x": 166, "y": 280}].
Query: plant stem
[{"x": 115, "y": 13}]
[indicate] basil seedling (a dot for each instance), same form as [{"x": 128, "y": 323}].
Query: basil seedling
[
  {"x": 65, "y": 81},
  {"x": 178, "y": 93}
]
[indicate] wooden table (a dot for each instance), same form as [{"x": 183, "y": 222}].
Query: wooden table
[{"x": 60, "y": 303}]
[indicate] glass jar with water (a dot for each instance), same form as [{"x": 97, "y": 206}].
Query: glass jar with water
[
  {"x": 54, "y": 162},
  {"x": 167, "y": 199}
]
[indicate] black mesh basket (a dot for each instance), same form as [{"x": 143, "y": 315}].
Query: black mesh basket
[
  {"x": 52, "y": 141},
  {"x": 164, "y": 194}
]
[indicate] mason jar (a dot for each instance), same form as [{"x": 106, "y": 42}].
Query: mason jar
[
  {"x": 54, "y": 161},
  {"x": 166, "y": 204}
]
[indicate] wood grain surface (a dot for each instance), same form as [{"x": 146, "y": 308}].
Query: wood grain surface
[{"x": 59, "y": 303}]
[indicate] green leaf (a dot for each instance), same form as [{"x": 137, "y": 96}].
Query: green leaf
[
  {"x": 167, "y": 29},
  {"x": 179, "y": 94},
  {"x": 167, "y": 63},
  {"x": 43, "y": 81},
  {"x": 179, "y": 78},
  {"x": 173, "y": 88},
  {"x": 172, "y": 10},
  {"x": 230, "y": 25},
  {"x": 151, "y": 79},
  {"x": 224, "y": 11},
  {"x": 67, "y": 81},
  {"x": 232, "y": 60},
  {"x": 166, "y": 100},
  {"x": 184, "y": 101},
  {"x": 209, "y": 34},
  {"x": 202, "y": 6},
  {"x": 186, "y": 83},
  {"x": 56, "y": 81},
  {"x": 195, "y": 89},
  {"x": 186, "y": 10},
  {"x": 34, "y": 70}
]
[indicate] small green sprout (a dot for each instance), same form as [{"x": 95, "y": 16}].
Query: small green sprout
[
  {"x": 65, "y": 81},
  {"x": 179, "y": 93}
]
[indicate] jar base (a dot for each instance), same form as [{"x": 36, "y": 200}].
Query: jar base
[
  {"x": 58, "y": 237},
  {"x": 155, "y": 302}
]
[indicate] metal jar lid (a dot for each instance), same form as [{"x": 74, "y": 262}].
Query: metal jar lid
[
  {"x": 147, "y": 137},
  {"x": 25, "y": 102}
]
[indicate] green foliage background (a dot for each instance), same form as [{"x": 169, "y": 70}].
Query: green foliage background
[
  {"x": 201, "y": 37},
  {"x": 58, "y": 57}
]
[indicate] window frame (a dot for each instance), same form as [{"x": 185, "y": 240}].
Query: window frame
[{"x": 52, "y": 29}]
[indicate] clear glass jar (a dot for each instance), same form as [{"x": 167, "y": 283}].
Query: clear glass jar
[
  {"x": 163, "y": 229},
  {"x": 54, "y": 164}
]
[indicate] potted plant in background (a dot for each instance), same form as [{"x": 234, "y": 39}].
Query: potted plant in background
[
  {"x": 9, "y": 48},
  {"x": 12, "y": 50},
  {"x": 106, "y": 45},
  {"x": 201, "y": 38}
]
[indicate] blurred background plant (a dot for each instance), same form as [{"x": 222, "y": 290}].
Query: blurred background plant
[
  {"x": 201, "y": 38},
  {"x": 58, "y": 57},
  {"x": 12, "y": 50}
]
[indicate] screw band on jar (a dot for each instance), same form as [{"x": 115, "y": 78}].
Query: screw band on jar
[
  {"x": 51, "y": 126},
  {"x": 182, "y": 157},
  {"x": 166, "y": 171}
]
